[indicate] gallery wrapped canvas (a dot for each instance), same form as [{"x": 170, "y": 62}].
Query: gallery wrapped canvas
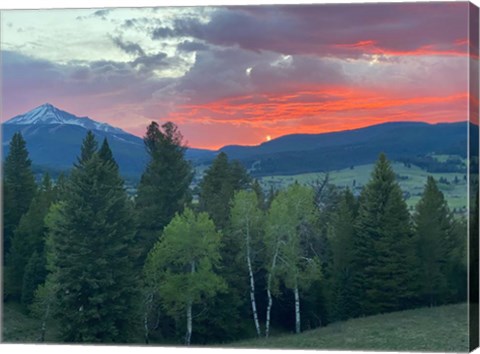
[{"x": 298, "y": 176}]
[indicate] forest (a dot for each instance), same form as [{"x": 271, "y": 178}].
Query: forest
[{"x": 220, "y": 262}]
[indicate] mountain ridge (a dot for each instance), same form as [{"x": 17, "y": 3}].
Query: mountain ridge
[
  {"x": 49, "y": 114},
  {"x": 54, "y": 137}
]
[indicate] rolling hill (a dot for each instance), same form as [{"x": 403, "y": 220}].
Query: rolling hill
[{"x": 436, "y": 329}]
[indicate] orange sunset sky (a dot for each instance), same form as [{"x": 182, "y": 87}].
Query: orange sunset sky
[{"x": 237, "y": 75}]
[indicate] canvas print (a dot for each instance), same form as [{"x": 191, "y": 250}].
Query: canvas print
[{"x": 278, "y": 176}]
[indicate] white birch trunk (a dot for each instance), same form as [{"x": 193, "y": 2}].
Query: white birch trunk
[
  {"x": 269, "y": 292},
  {"x": 297, "y": 309},
  {"x": 252, "y": 284},
  {"x": 188, "y": 336}
]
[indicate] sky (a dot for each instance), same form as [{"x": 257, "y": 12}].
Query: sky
[{"x": 240, "y": 74}]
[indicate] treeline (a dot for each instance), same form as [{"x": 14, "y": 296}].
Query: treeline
[{"x": 164, "y": 267}]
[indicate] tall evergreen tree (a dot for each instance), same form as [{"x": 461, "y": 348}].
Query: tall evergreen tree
[
  {"x": 435, "y": 244},
  {"x": 341, "y": 237},
  {"x": 90, "y": 240},
  {"x": 218, "y": 186},
  {"x": 164, "y": 185},
  {"x": 28, "y": 241},
  {"x": 106, "y": 154},
  {"x": 384, "y": 252},
  {"x": 88, "y": 148},
  {"x": 18, "y": 188}
]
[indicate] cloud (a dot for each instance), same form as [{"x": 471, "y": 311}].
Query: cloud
[
  {"x": 101, "y": 14},
  {"x": 240, "y": 73},
  {"x": 150, "y": 62},
  {"x": 348, "y": 31},
  {"x": 99, "y": 88},
  {"x": 191, "y": 46},
  {"x": 128, "y": 47}
]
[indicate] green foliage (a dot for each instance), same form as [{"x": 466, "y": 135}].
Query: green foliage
[
  {"x": 181, "y": 266},
  {"x": 437, "y": 245},
  {"x": 247, "y": 224},
  {"x": 287, "y": 239},
  {"x": 218, "y": 186},
  {"x": 383, "y": 257},
  {"x": 88, "y": 148},
  {"x": 106, "y": 154},
  {"x": 89, "y": 254},
  {"x": 33, "y": 276},
  {"x": 29, "y": 239},
  {"x": 18, "y": 188},
  {"x": 291, "y": 213},
  {"x": 341, "y": 238},
  {"x": 164, "y": 185}
]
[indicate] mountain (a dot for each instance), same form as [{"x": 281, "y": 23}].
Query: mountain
[
  {"x": 54, "y": 138},
  {"x": 48, "y": 114},
  {"x": 404, "y": 141}
]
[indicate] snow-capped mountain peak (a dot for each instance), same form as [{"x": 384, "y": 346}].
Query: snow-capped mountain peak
[{"x": 49, "y": 114}]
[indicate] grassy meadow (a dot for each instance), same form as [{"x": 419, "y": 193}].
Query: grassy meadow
[
  {"x": 440, "y": 328},
  {"x": 411, "y": 179}
]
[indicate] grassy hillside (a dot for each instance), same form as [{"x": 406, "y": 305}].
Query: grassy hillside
[
  {"x": 18, "y": 327},
  {"x": 429, "y": 329},
  {"x": 442, "y": 329},
  {"x": 411, "y": 179}
]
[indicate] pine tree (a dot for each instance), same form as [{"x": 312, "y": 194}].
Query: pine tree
[
  {"x": 223, "y": 320},
  {"x": 218, "y": 186},
  {"x": 106, "y": 154},
  {"x": 434, "y": 242},
  {"x": 29, "y": 239},
  {"x": 164, "y": 185},
  {"x": 18, "y": 188},
  {"x": 181, "y": 266},
  {"x": 341, "y": 237},
  {"x": 90, "y": 240},
  {"x": 88, "y": 148},
  {"x": 384, "y": 254}
]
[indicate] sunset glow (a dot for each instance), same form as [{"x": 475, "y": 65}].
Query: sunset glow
[{"x": 241, "y": 75}]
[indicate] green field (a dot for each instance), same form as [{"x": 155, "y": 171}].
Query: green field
[
  {"x": 411, "y": 179},
  {"x": 442, "y": 329}
]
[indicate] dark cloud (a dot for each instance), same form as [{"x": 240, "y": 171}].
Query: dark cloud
[
  {"x": 29, "y": 82},
  {"x": 103, "y": 13},
  {"x": 329, "y": 30},
  {"x": 164, "y": 32},
  {"x": 128, "y": 47},
  {"x": 150, "y": 62},
  {"x": 189, "y": 46}
]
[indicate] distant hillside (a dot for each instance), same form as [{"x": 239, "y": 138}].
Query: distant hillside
[
  {"x": 301, "y": 153},
  {"x": 437, "y": 329}
]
